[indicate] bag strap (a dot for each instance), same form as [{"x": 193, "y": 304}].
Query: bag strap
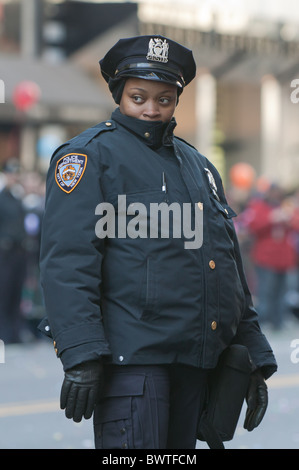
[{"x": 209, "y": 433}]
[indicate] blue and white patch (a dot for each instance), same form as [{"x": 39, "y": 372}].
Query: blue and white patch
[{"x": 69, "y": 171}]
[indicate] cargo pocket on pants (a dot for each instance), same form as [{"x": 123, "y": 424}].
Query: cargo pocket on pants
[{"x": 113, "y": 421}]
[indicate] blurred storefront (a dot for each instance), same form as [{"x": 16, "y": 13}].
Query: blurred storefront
[
  {"x": 68, "y": 101},
  {"x": 48, "y": 97}
]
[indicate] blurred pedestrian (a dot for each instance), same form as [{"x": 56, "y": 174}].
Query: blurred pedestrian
[
  {"x": 143, "y": 316},
  {"x": 32, "y": 307},
  {"x": 12, "y": 255},
  {"x": 274, "y": 252}
]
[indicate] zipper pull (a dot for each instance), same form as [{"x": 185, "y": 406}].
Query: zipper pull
[{"x": 164, "y": 186}]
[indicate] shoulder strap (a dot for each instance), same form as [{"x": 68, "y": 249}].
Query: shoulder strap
[
  {"x": 86, "y": 136},
  {"x": 208, "y": 433}
]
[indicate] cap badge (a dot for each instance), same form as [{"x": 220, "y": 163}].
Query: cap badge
[{"x": 158, "y": 50}]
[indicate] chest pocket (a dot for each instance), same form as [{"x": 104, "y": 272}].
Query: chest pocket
[{"x": 226, "y": 215}]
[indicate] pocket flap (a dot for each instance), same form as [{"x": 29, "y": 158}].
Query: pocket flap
[
  {"x": 226, "y": 210},
  {"x": 115, "y": 403},
  {"x": 123, "y": 385}
]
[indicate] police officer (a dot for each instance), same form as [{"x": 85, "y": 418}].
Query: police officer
[{"x": 140, "y": 309}]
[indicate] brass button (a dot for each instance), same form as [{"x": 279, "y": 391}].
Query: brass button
[
  {"x": 214, "y": 325},
  {"x": 226, "y": 211},
  {"x": 147, "y": 135},
  {"x": 200, "y": 205},
  {"x": 108, "y": 124},
  {"x": 212, "y": 264}
]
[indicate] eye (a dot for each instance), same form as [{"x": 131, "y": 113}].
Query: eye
[
  {"x": 137, "y": 99},
  {"x": 164, "y": 100}
]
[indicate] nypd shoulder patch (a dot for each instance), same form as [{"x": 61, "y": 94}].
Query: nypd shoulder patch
[{"x": 69, "y": 171}]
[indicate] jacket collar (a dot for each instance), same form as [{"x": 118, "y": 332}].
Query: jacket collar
[{"x": 154, "y": 133}]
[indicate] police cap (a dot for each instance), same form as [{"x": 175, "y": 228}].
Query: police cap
[{"x": 149, "y": 57}]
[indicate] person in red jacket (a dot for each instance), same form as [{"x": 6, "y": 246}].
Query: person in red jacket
[{"x": 272, "y": 224}]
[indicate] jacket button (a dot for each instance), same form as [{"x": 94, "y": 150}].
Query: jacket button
[
  {"x": 147, "y": 135},
  {"x": 200, "y": 206},
  {"x": 214, "y": 325},
  {"x": 212, "y": 264},
  {"x": 108, "y": 124}
]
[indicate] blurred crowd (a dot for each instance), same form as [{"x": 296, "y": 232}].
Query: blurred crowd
[
  {"x": 268, "y": 232},
  {"x": 21, "y": 211},
  {"x": 267, "y": 226}
]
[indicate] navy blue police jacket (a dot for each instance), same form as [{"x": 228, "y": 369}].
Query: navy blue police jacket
[{"x": 114, "y": 285}]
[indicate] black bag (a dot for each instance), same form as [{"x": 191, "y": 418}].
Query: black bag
[{"x": 227, "y": 388}]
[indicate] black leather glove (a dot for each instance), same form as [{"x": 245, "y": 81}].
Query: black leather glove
[
  {"x": 80, "y": 390},
  {"x": 257, "y": 400}
]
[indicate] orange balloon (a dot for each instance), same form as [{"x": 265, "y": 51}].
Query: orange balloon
[{"x": 242, "y": 175}]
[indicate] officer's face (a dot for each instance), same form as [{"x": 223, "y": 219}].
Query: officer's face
[{"x": 148, "y": 100}]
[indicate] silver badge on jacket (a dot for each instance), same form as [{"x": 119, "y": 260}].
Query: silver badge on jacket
[{"x": 212, "y": 182}]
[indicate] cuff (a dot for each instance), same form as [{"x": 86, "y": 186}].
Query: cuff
[{"x": 91, "y": 351}]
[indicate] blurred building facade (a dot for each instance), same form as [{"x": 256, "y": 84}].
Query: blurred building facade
[
  {"x": 241, "y": 107},
  {"x": 247, "y": 57}
]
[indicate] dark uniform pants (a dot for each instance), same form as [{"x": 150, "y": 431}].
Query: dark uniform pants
[{"x": 149, "y": 407}]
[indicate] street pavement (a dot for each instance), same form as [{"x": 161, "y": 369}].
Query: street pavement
[{"x": 30, "y": 418}]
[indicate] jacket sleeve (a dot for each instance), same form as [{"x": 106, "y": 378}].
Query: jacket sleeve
[
  {"x": 249, "y": 332},
  {"x": 70, "y": 261}
]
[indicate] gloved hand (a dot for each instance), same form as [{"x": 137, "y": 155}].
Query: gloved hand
[
  {"x": 257, "y": 400},
  {"x": 80, "y": 390}
]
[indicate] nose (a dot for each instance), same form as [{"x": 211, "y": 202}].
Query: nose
[{"x": 152, "y": 110}]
